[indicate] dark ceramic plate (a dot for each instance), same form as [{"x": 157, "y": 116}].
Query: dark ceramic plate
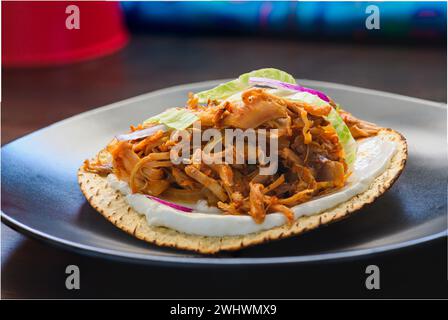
[{"x": 40, "y": 194}]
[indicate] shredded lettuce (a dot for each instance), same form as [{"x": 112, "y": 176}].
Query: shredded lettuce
[
  {"x": 308, "y": 98},
  {"x": 230, "y": 88},
  {"x": 175, "y": 118},
  {"x": 345, "y": 137}
]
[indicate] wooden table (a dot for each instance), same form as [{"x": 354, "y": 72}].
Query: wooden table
[{"x": 35, "y": 98}]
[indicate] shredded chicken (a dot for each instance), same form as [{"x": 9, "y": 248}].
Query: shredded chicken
[
  {"x": 256, "y": 198},
  {"x": 358, "y": 128},
  {"x": 311, "y": 157},
  {"x": 208, "y": 182},
  {"x": 124, "y": 159},
  {"x": 256, "y": 108}
]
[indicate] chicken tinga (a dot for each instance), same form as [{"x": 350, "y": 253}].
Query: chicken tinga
[{"x": 309, "y": 155}]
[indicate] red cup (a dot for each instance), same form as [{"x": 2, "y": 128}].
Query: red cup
[{"x": 36, "y": 34}]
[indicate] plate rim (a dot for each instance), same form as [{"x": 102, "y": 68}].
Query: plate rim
[
  {"x": 213, "y": 260},
  {"x": 205, "y": 260}
]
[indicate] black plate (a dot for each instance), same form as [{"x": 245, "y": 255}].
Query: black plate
[{"x": 41, "y": 197}]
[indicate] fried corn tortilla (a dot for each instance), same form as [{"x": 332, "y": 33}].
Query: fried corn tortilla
[{"x": 113, "y": 206}]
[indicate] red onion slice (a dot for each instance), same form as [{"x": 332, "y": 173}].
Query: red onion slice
[
  {"x": 295, "y": 87},
  {"x": 170, "y": 204},
  {"x": 141, "y": 133}
]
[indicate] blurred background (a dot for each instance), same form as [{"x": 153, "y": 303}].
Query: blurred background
[
  {"x": 34, "y": 33},
  {"x": 60, "y": 58},
  {"x": 404, "y": 22},
  {"x": 58, "y": 61}
]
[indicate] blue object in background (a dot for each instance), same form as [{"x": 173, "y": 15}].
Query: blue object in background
[
  {"x": 398, "y": 20},
  {"x": 234, "y": 16}
]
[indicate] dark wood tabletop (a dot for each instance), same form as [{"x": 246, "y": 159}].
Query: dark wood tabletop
[{"x": 35, "y": 98}]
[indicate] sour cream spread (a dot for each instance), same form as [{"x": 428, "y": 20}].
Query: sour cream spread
[{"x": 373, "y": 157}]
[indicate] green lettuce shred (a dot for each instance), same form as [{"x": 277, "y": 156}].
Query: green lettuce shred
[
  {"x": 230, "y": 88},
  {"x": 345, "y": 137},
  {"x": 175, "y": 118}
]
